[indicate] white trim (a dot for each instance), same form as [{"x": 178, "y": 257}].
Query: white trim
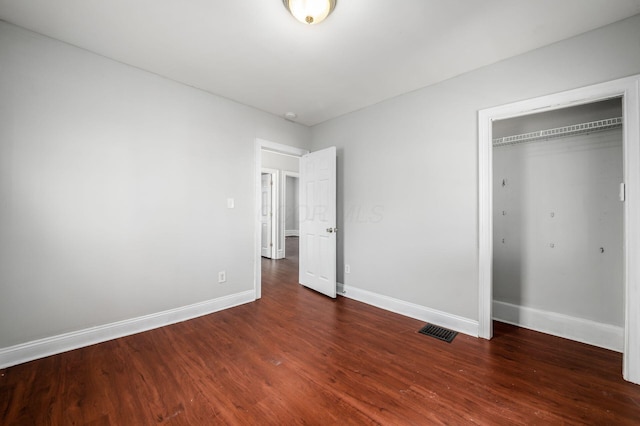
[
  {"x": 292, "y": 233},
  {"x": 593, "y": 333},
  {"x": 408, "y": 309},
  {"x": 629, "y": 89},
  {"x": 275, "y": 209},
  {"x": 24, "y": 352},
  {"x": 631, "y": 107},
  {"x": 280, "y": 149},
  {"x": 485, "y": 225}
]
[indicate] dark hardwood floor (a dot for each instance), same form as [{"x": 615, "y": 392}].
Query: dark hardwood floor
[{"x": 296, "y": 357}]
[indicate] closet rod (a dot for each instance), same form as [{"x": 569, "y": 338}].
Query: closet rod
[{"x": 575, "y": 129}]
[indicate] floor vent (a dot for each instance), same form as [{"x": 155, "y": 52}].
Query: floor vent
[{"x": 439, "y": 332}]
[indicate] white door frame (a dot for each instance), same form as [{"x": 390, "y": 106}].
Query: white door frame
[
  {"x": 629, "y": 90},
  {"x": 260, "y": 145},
  {"x": 275, "y": 210}
]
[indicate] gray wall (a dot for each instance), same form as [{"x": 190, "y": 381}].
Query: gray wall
[
  {"x": 558, "y": 206},
  {"x": 282, "y": 162},
  {"x": 408, "y": 168},
  {"x": 292, "y": 219},
  {"x": 113, "y": 189}
]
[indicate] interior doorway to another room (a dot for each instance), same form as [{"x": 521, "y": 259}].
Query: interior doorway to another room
[
  {"x": 291, "y": 196},
  {"x": 279, "y": 207},
  {"x": 282, "y": 164},
  {"x": 269, "y": 196}
]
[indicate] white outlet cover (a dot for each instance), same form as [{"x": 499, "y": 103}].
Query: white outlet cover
[{"x": 231, "y": 203}]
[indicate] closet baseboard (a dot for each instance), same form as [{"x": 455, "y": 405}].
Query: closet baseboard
[{"x": 586, "y": 331}]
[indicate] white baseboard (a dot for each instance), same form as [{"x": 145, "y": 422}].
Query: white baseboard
[
  {"x": 279, "y": 254},
  {"x": 292, "y": 233},
  {"x": 41, "y": 348},
  {"x": 443, "y": 319},
  {"x": 593, "y": 333}
]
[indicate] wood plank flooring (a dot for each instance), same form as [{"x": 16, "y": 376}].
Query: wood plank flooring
[{"x": 296, "y": 357}]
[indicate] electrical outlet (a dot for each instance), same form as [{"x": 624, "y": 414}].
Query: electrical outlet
[
  {"x": 347, "y": 269},
  {"x": 222, "y": 276}
]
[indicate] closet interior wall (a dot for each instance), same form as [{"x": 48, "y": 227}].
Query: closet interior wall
[{"x": 558, "y": 226}]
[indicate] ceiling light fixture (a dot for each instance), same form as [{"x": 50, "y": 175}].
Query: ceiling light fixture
[{"x": 310, "y": 11}]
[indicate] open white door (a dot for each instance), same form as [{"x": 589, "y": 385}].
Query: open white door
[
  {"x": 266, "y": 213},
  {"x": 318, "y": 221}
]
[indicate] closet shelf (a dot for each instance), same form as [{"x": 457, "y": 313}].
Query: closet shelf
[{"x": 575, "y": 129}]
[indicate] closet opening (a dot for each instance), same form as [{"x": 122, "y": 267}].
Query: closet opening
[
  {"x": 627, "y": 90},
  {"x": 558, "y": 222}
]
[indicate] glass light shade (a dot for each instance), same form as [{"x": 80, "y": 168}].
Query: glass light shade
[{"x": 310, "y": 11}]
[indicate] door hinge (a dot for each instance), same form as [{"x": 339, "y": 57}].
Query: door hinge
[
  {"x": 622, "y": 194},
  {"x": 270, "y": 244}
]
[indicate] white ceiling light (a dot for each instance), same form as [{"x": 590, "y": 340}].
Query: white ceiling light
[{"x": 310, "y": 11}]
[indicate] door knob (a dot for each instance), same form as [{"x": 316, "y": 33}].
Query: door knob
[{"x": 332, "y": 230}]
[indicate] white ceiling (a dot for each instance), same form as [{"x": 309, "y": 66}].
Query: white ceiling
[{"x": 254, "y": 52}]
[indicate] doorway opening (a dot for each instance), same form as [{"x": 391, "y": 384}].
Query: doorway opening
[
  {"x": 627, "y": 89},
  {"x": 558, "y": 223},
  {"x": 279, "y": 207},
  {"x": 282, "y": 162},
  {"x": 317, "y": 189},
  {"x": 268, "y": 211},
  {"x": 290, "y": 217}
]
